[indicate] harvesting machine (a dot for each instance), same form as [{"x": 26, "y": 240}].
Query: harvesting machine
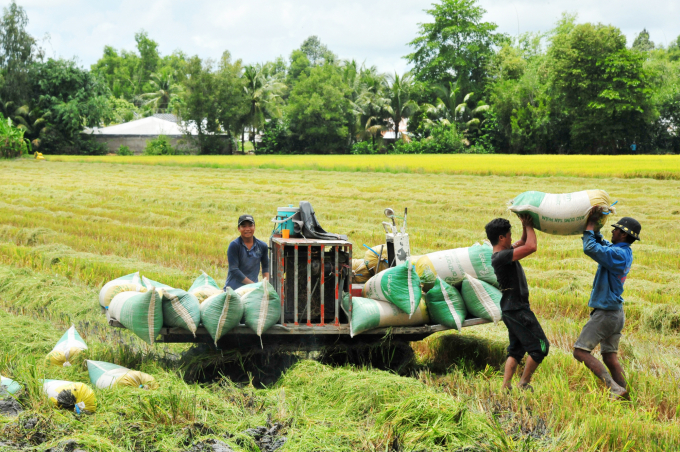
[{"x": 311, "y": 271}]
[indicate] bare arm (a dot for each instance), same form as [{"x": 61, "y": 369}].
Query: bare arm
[
  {"x": 529, "y": 235},
  {"x": 522, "y": 240}
]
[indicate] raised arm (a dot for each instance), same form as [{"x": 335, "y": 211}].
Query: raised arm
[{"x": 529, "y": 244}]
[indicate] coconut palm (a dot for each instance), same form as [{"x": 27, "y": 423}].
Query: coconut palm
[
  {"x": 398, "y": 91},
  {"x": 471, "y": 117},
  {"x": 263, "y": 89},
  {"x": 164, "y": 90}
]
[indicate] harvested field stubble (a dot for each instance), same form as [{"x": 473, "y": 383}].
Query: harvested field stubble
[{"x": 66, "y": 228}]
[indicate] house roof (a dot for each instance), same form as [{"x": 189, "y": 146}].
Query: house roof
[{"x": 150, "y": 126}]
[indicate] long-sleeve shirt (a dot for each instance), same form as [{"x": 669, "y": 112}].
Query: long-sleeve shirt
[
  {"x": 614, "y": 264},
  {"x": 245, "y": 263}
]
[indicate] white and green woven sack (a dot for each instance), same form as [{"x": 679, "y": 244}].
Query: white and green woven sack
[
  {"x": 481, "y": 299},
  {"x": 221, "y": 312},
  {"x": 141, "y": 313},
  {"x": 203, "y": 287},
  {"x": 262, "y": 307},
  {"x": 368, "y": 314},
  {"x": 452, "y": 265},
  {"x": 10, "y": 385},
  {"x": 181, "y": 310},
  {"x": 445, "y": 305},
  {"x": 399, "y": 285},
  {"x": 131, "y": 282},
  {"x": 105, "y": 375},
  {"x": 70, "y": 345},
  {"x": 562, "y": 214}
]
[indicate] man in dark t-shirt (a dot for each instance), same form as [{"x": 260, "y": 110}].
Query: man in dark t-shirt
[{"x": 525, "y": 333}]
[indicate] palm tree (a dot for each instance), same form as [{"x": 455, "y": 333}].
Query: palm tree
[
  {"x": 444, "y": 108},
  {"x": 263, "y": 90},
  {"x": 471, "y": 117},
  {"x": 400, "y": 106},
  {"x": 164, "y": 90}
]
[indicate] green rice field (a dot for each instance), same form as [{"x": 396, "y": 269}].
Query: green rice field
[{"x": 70, "y": 224}]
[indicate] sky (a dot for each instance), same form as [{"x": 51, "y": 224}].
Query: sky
[{"x": 376, "y": 32}]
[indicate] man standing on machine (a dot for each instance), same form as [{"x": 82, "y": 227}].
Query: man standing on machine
[
  {"x": 525, "y": 333},
  {"x": 245, "y": 255}
]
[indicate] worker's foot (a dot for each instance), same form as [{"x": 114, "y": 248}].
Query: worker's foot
[
  {"x": 616, "y": 392},
  {"x": 526, "y": 387}
]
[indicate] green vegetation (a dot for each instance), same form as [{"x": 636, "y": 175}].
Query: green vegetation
[
  {"x": 575, "y": 88},
  {"x": 124, "y": 150},
  {"x": 60, "y": 242},
  {"x": 159, "y": 146},
  {"x": 12, "y": 142}
]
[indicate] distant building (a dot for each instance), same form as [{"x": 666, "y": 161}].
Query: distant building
[{"x": 135, "y": 134}]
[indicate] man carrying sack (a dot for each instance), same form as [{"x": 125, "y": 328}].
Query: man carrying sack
[
  {"x": 524, "y": 332},
  {"x": 607, "y": 317}
]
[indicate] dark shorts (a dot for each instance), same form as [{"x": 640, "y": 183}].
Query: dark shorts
[
  {"x": 603, "y": 328},
  {"x": 526, "y": 335}
]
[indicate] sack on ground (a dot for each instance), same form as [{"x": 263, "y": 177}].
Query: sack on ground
[
  {"x": 9, "y": 385},
  {"x": 562, "y": 214},
  {"x": 181, "y": 309},
  {"x": 368, "y": 314},
  {"x": 375, "y": 260},
  {"x": 262, "y": 307},
  {"x": 203, "y": 287},
  {"x": 452, "y": 265},
  {"x": 131, "y": 282},
  {"x": 77, "y": 397},
  {"x": 105, "y": 375},
  {"x": 70, "y": 345},
  {"x": 141, "y": 313},
  {"x": 399, "y": 285},
  {"x": 481, "y": 299},
  {"x": 445, "y": 305},
  {"x": 221, "y": 312},
  {"x": 360, "y": 273}
]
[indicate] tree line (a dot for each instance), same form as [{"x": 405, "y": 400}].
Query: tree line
[{"x": 577, "y": 88}]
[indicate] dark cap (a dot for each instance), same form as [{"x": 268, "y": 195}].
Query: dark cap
[
  {"x": 630, "y": 226},
  {"x": 246, "y": 217}
]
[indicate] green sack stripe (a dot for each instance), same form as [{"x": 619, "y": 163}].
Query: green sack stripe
[
  {"x": 98, "y": 368},
  {"x": 530, "y": 198},
  {"x": 181, "y": 309},
  {"x": 221, "y": 312},
  {"x": 449, "y": 304},
  {"x": 262, "y": 307},
  {"x": 388, "y": 285},
  {"x": 143, "y": 314},
  {"x": 483, "y": 296}
]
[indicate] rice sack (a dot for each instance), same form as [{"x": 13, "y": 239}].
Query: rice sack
[
  {"x": 141, "y": 313},
  {"x": 399, "y": 285},
  {"x": 221, "y": 312},
  {"x": 445, "y": 305},
  {"x": 562, "y": 214},
  {"x": 360, "y": 272},
  {"x": 203, "y": 287},
  {"x": 77, "y": 397},
  {"x": 481, "y": 299},
  {"x": 9, "y": 385},
  {"x": 262, "y": 307},
  {"x": 70, "y": 345},
  {"x": 181, "y": 309},
  {"x": 131, "y": 282},
  {"x": 452, "y": 265},
  {"x": 105, "y": 375},
  {"x": 375, "y": 260},
  {"x": 368, "y": 314}
]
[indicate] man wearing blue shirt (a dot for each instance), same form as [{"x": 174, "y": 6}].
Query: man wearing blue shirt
[
  {"x": 246, "y": 254},
  {"x": 607, "y": 317}
]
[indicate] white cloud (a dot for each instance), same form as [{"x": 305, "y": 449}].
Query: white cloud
[{"x": 376, "y": 32}]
